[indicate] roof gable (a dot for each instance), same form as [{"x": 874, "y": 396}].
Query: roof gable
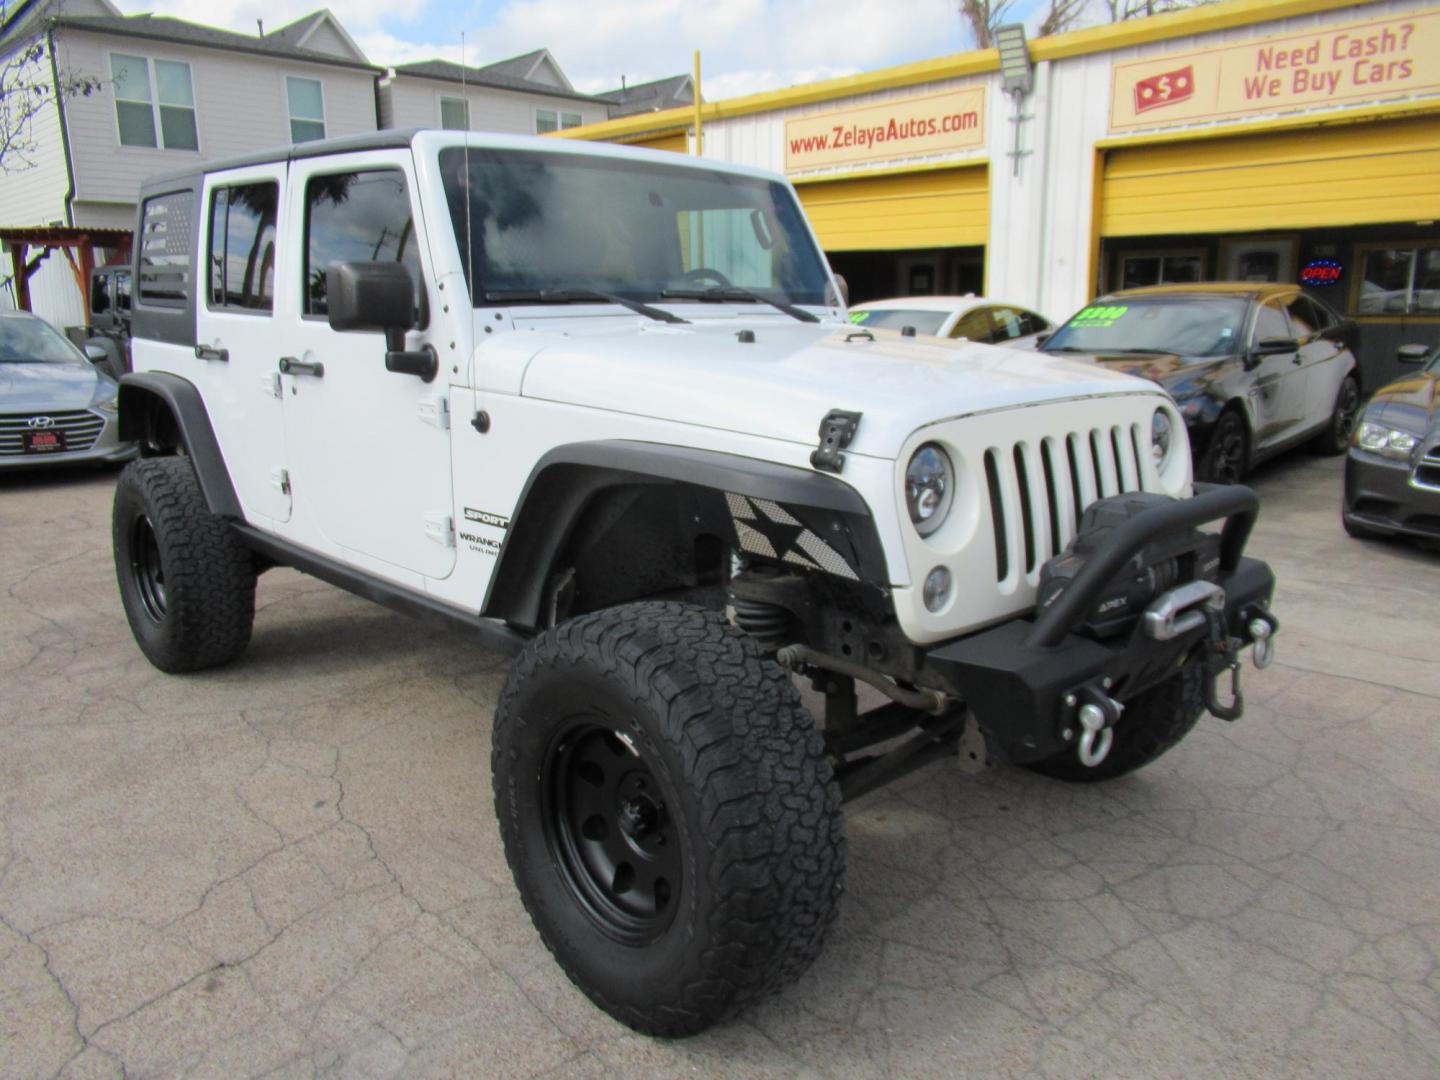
[
  {"x": 537, "y": 66},
  {"x": 493, "y": 76},
  {"x": 320, "y": 31}
]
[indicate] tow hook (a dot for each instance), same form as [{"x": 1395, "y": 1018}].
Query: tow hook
[
  {"x": 1262, "y": 631},
  {"x": 1097, "y": 716}
]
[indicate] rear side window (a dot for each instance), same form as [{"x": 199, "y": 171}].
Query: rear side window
[
  {"x": 167, "y": 238},
  {"x": 1307, "y": 317},
  {"x": 99, "y": 294},
  {"x": 973, "y": 325},
  {"x": 122, "y": 290},
  {"x": 356, "y": 217},
  {"x": 242, "y": 247}
]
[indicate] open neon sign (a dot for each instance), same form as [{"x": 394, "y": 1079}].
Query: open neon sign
[{"x": 1321, "y": 272}]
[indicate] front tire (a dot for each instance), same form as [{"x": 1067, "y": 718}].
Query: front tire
[
  {"x": 1335, "y": 439},
  {"x": 1152, "y": 723},
  {"x": 1227, "y": 453},
  {"x": 668, "y": 813},
  {"x": 186, "y": 582}
]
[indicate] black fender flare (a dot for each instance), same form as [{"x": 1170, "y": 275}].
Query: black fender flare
[
  {"x": 566, "y": 480},
  {"x": 147, "y": 396}
]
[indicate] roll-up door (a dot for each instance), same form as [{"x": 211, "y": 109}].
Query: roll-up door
[
  {"x": 678, "y": 141},
  {"x": 938, "y": 208},
  {"x": 1352, "y": 174}
]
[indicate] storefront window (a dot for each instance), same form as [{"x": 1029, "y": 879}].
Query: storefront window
[
  {"x": 1172, "y": 268},
  {"x": 1400, "y": 281}
]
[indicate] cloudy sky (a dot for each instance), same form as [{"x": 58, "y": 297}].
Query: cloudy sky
[{"x": 746, "y": 45}]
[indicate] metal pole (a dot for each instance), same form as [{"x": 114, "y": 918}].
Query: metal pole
[{"x": 699, "y": 145}]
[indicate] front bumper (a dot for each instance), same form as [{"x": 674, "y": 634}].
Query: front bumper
[
  {"x": 1381, "y": 495},
  {"x": 1026, "y": 679},
  {"x": 102, "y": 447}
]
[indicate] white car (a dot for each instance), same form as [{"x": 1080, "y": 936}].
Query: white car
[
  {"x": 974, "y": 318},
  {"x": 600, "y": 408}
]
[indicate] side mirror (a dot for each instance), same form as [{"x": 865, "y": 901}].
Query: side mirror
[
  {"x": 1413, "y": 354},
  {"x": 1040, "y": 339},
  {"x": 1274, "y": 346},
  {"x": 95, "y": 354},
  {"x": 379, "y": 296}
]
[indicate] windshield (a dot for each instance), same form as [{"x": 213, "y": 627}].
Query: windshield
[
  {"x": 565, "y": 223},
  {"x": 1185, "y": 325},
  {"x": 30, "y": 341},
  {"x": 924, "y": 322}
]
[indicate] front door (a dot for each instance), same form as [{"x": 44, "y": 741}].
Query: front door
[
  {"x": 369, "y": 448},
  {"x": 1277, "y": 387},
  {"x": 235, "y": 326}
]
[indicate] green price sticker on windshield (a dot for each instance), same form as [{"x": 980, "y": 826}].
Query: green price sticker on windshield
[
  {"x": 858, "y": 317},
  {"x": 1101, "y": 315}
]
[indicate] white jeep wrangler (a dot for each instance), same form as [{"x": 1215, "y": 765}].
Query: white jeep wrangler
[{"x": 601, "y": 408}]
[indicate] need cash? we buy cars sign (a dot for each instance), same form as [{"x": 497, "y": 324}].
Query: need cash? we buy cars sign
[
  {"x": 887, "y": 130},
  {"x": 1361, "y": 61}
]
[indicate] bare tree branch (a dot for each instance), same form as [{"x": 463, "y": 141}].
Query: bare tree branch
[
  {"x": 983, "y": 16},
  {"x": 28, "y": 86}
]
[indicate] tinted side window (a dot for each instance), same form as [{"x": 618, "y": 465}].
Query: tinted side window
[
  {"x": 1270, "y": 322},
  {"x": 242, "y": 246},
  {"x": 974, "y": 325},
  {"x": 122, "y": 291},
  {"x": 359, "y": 217},
  {"x": 1032, "y": 323},
  {"x": 167, "y": 236},
  {"x": 1304, "y": 321},
  {"x": 99, "y": 294},
  {"x": 1012, "y": 323}
]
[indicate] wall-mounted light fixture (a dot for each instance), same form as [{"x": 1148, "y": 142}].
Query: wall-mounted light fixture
[{"x": 1015, "y": 67}]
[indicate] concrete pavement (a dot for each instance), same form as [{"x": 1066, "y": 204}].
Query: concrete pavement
[{"x": 290, "y": 867}]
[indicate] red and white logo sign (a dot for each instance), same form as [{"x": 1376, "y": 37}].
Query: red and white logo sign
[{"x": 1164, "y": 89}]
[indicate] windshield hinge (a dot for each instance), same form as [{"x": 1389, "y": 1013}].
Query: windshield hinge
[
  {"x": 441, "y": 529},
  {"x": 836, "y": 431},
  {"x": 436, "y": 413}
]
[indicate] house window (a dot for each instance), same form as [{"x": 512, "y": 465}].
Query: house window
[
  {"x": 549, "y": 120},
  {"x": 307, "y": 109},
  {"x": 242, "y": 246},
  {"x": 1403, "y": 279},
  {"x": 454, "y": 114},
  {"x": 154, "y": 102}
]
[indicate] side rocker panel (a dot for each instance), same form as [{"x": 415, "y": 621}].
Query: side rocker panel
[{"x": 150, "y": 400}]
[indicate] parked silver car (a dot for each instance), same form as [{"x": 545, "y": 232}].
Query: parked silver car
[{"x": 56, "y": 407}]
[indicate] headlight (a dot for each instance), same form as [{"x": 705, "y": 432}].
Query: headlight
[
  {"x": 929, "y": 488},
  {"x": 1162, "y": 435},
  {"x": 1387, "y": 442}
]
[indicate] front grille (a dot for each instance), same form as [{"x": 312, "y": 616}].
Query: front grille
[
  {"x": 1038, "y": 490},
  {"x": 81, "y": 429},
  {"x": 1427, "y": 470}
]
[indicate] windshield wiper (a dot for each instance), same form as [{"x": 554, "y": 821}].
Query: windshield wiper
[
  {"x": 722, "y": 293},
  {"x": 571, "y": 296},
  {"x": 1067, "y": 348}
]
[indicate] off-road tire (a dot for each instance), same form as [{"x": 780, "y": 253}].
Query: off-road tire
[
  {"x": 1227, "y": 451},
  {"x": 1335, "y": 439},
  {"x": 748, "y": 792},
  {"x": 1151, "y": 724},
  {"x": 206, "y": 578}
]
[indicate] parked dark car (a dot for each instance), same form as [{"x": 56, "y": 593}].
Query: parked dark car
[
  {"x": 109, "y": 328},
  {"x": 1255, "y": 368},
  {"x": 56, "y": 407},
  {"x": 1392, "y": 475}
]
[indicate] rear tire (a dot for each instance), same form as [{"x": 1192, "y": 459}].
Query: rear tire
[
  {"x": 186, "y": 582},
  {"x": 1335, "y": 439},
  {"x": 1151, "y": 724},
  {"x": 668, "y": 813},
  {"x": 1227, "y": 452}
]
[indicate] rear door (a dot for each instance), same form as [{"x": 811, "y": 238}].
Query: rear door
[
  {"x": 1323, "y": 359},
  {"x": 1277, "y": 383},
  {"x": 369, "y": 448},
  {"x": 235, "y": 325}
]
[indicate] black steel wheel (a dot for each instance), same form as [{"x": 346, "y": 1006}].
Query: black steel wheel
[
  {"x": 186, "y": 582},
  {"x": 1335, "y": 439},
  {"x": 1227, "y": 453},
  {"x": 610, "y": 831},
  {"x": 668, "y": 813}
]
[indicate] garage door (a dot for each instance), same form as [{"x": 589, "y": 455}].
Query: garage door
[
  {"x": 941, "y": 208},
  {"x": 1354, "y": 174},
  {"x": 678, "y": 141}
]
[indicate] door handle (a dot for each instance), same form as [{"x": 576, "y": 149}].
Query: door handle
[
  {"x": 1298, "y": 359},
  {"x": 206, "y": 352},
  {"x": 290, "y": 366}
]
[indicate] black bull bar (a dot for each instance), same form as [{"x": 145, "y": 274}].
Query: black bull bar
[{"x": 1026, "y": 679}]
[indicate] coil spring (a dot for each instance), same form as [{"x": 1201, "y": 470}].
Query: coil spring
[{"x": 769, "y": 624}]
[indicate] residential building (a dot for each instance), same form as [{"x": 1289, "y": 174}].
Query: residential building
[
  {"x": 525, "y": 95},
  {"x": 675, "y": 92}
]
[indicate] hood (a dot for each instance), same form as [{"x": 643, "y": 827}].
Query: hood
[
  {"x": 1181, "y": 376},
  {"x": 1410, "y": 404},
  {"x": 782, "y": 384},
  {"x": 32, "y": 387}
]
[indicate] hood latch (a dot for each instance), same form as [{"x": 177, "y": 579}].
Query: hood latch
[{"x": 836, "y": 431}]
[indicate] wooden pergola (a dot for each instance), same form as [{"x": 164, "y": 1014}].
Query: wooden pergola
[{"x": 77, "y": 244}]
